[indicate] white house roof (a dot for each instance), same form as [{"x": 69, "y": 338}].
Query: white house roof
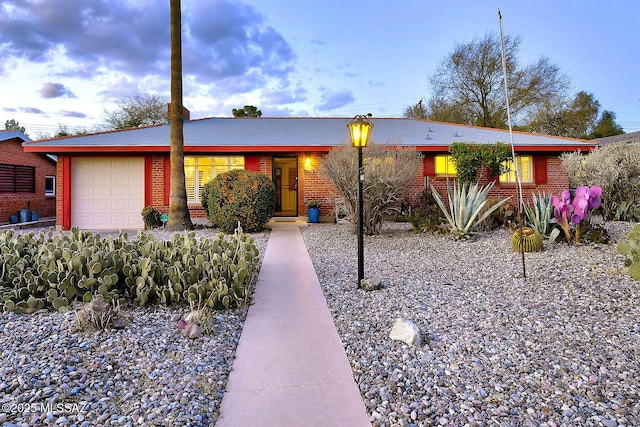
[
  {"x": 629, "y": 138},
  {"x": 297, "y": 134}
]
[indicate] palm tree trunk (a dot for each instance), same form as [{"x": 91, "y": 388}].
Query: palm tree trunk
[{"x": 179, "y": 218}]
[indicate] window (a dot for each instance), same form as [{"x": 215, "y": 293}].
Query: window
[
  {"x": 17, "y": 179},
  {"x": 525, "y": 166},
  {"x": 198, "y": 170},
  {"x": 49, "y": 185},
  {"x": 445, "y": 165}
]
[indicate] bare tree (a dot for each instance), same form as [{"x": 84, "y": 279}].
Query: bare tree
[
  {"x": 179, "y": 218},
  {"x": 468, "y": 86},
  {"x": 137, "y": 111},
  {"x": 389, "y": 175}
]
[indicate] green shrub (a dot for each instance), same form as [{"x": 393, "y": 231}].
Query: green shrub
[
  {"x": 427, "y": 216},
  {"x": 240, "y": 196},
  {"x": 44, "y": 270},
  {"x": 470, "y": 158},
  {"x": 151, "y": 217},
  {"x": 506, "y": 216}
]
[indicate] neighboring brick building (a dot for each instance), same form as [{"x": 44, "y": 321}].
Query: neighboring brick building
[
  {"x": 27, "y": 180},
  {"x": 105, "y": 179}
]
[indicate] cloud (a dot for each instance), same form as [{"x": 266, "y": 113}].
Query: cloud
[
  {"x": 230, "y": 40},
  {"x": 30, "y": 110},
  {"x": 333, "y": 100},
  {"x": 55, "y": 90},
  {"x": 75, "y": 114},
  {"x": 285, "y": 96},
  {"x": 373, "y": 84},
  {"x": 223, "y": 40}
]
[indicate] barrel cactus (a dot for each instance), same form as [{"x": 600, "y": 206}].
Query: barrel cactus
[{"x": 528, "y": 240}]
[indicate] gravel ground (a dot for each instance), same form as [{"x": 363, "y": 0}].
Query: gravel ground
[
  {"x": 559, "y": 348},
  {"x": 145, "y": 374}
]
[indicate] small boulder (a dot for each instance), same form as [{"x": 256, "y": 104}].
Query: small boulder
[
  {"x": 373, "y": 283},
  {"x": 406, "y": 331},
  {"x": 189, "y": 330}
]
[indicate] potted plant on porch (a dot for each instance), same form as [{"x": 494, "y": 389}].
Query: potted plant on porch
[{"x": 313, "y": 207}]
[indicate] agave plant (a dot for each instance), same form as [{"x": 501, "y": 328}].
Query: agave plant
[
  {"x": 540, "y": 216},
  {"x": 465, "y": 207}
]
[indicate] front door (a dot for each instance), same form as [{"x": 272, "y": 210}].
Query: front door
[{"x": 285, "y": 176}]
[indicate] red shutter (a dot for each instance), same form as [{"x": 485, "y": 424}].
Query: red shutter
[
  {"x": 540, "y": 169},
  {"x": 252, "y": 163},
  {"x": 429, "y": 165},
  {"x": 7, "y": 179},
  {"x": 25, "y": 179}
]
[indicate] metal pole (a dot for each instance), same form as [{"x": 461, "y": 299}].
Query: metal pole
[
  {"x": 513, "y": 150},
  {"x": 360, "y": 219}
]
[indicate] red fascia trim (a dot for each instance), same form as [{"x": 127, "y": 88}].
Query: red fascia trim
[
  {"x": 95, "y": 149},
  {"x": 187, "y": 149},
  {"x": 520, "y": 148},
  {"x": 270, "y": 148},
  {"x": 147, "y": 180},
  {"x": 66, "y": 193},
  {"x": 255, "y": 149}
]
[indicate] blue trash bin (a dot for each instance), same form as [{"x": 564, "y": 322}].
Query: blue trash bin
[
  {"x": 34, "y": 216},
  {"x": 24, "y": 215}
]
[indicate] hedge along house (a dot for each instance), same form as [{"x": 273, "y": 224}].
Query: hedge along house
[
  {"x": 105, "y": 179},
  {"x": 27, "y": 180}
]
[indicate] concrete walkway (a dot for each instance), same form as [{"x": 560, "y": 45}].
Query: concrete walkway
[{"x": 290, "y": 367}]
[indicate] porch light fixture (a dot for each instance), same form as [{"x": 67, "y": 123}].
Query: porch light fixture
[
  {"x": 359, "y": 130},
  {"x": 307, "y": 164}
]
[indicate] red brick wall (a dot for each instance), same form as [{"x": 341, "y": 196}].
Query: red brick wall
[
  {"x": 314, "y": 185},
  {"x": 555, "y": 181},
  {"x": 11, "y": 153}
]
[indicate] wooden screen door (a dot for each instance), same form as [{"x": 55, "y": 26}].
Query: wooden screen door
[{"x": 285, "y": 176}]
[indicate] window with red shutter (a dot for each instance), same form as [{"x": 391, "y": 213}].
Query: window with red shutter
[{"x": 429, "y": 165}]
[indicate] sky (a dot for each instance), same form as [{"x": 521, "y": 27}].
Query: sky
[{"x": 63, "y": 63}]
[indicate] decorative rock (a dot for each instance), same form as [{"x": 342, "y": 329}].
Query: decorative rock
[
  {"x": 488, "y": 328},
  {"x": 191, "y": 330},
  {"x": 406, "y": 331},
  {"x": 202, "y": 317},
  {"x": 371, "y": 284}
]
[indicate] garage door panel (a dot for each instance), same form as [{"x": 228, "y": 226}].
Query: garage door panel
[{"x": 107, "y": 193}]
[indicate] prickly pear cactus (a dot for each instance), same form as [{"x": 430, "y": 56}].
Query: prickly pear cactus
[
  {"x": 43, "y": 270},
  {"x": 631, "y": 248}
]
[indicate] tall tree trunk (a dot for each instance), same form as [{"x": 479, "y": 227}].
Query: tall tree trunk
[{"x": 179, "y": 218}]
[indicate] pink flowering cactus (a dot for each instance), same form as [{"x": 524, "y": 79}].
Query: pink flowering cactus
[{"x": 576, "y": 211}]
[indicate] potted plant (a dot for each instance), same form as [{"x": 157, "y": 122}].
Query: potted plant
[{"x": 313, "y": 207}]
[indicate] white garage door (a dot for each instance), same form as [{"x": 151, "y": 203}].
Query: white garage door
[{"x": 107, "y": 193}]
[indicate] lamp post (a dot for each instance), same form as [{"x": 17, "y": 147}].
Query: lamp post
[{"x": 359, "y": 130}]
